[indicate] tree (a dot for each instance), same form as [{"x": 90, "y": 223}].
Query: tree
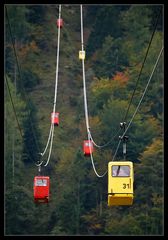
[
  {"x": 13, "y": 150},
  {"x": 78, "y": 198},
  {"x": 149, "y": 186},
  {"x": 106, "y": 23},
  {"x": 32, "y": 135},
  {"x": 136, "y": 25},
  {"x": 17, "y": 20},
  {"x": 110, "y": 58}
]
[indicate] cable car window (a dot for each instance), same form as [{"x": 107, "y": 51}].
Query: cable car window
[
  {"x": 88, "y": 144},
  {"x": 41, "y": 182},
  {"x": 120, "y": 171}
]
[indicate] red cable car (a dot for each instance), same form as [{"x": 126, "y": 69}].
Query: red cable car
[
  {"x": 87, "y": 147},
  {"x": 55, "y": 118},
  {"x": 60, "y": 22},
  {"x": 41, "y": 189}
]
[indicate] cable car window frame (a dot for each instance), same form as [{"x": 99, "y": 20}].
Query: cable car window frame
[
  {"x": 41, "y": 183},
  {"x": 120, "y": 167}
]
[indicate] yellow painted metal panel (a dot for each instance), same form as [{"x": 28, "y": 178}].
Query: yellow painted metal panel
[
  {"x": 117, "y": 199},
  {"x": 120, "y": 183},
  {"x": 81, "y": 55}
]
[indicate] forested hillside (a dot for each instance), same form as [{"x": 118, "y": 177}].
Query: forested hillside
[{"x": 122, "y": 44}]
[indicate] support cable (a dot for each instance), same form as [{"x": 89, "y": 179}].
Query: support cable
[
  {"x": 14, "y": 110},
  {"x": 51, "y": 134},
  {"x": 126, "y": 114},
  {"x": 92, "y": 160},
  {"x": 49, "y": 137},
  {"x": 84, "y": 83},
  {"x": 144, "y": 91},
  {"x": 138, "y": 80},
  {"x": 106, "y": 144},
  {"x": 109, "y": 143},
  {"x": 13, "y": 145},
  {"x": 19, "y": 71},
  {"x": 85, "y": 99},
  {"x": 139, "y": 102}
]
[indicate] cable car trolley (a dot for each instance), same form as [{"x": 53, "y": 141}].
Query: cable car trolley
[
  {"x": 41, "y": 189},
  {"x": 82, "y": 55},
  {"x": 55, "y": 118},
  {"x": 87, "y": 147},
  {"x": 120, "y": 183},
  {"x": 59, "y": 22}
]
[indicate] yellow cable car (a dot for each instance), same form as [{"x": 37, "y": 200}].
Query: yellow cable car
[
  {"x": 120, "y": 183},
  {"x": 81, "y": 55}
]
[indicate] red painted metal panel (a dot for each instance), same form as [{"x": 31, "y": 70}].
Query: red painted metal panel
[
  {"x": 60, "y": 22},
  {"x": 87, "y": 147},
  {"x": 41, "y": 189},
  {"x": 55, "y": 118}
]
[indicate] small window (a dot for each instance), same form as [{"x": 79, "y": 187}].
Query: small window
[
  {"x": 120, "y": 171},
  {"x": 88, "y": 144},
  {"x": 41, "y": 182}
]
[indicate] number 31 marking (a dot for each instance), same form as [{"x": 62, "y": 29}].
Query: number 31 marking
[{"x": 126, "y": 185}]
